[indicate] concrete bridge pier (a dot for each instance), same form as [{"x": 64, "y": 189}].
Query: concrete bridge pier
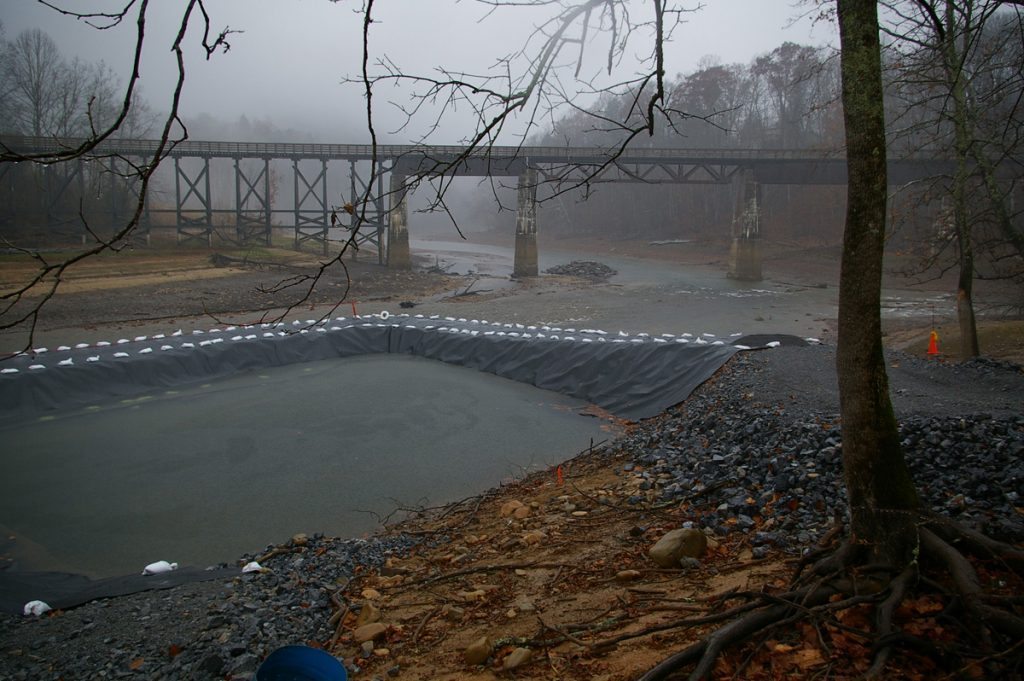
[
  {"x": 745, "y": 255},
  {"x": 525, "y": 263},
  {"x": 399, "y": 257}
]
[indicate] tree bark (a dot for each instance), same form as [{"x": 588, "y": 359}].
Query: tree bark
[{"x": 883, "y": 500}]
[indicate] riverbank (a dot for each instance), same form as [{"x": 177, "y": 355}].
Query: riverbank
[
  {"x": 671, "y": 287},
  {"x": 807, "y": 276}
]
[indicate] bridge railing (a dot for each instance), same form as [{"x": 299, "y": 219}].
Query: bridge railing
[{"x": 540, "y": 154}]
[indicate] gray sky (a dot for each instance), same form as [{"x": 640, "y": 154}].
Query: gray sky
[{"x": 288, "y": 64}]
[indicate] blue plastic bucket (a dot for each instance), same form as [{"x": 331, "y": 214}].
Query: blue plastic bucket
[{"x": 301, "y": 663}]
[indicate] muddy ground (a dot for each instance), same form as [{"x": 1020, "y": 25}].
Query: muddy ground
[
  {"x": 162, "y": 288},
  {"x": 154, "y": 289}
]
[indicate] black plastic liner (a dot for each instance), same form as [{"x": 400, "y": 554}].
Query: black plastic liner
[
  {"x": 62, "y": 590},
  {"x": 632, "y": 377}
]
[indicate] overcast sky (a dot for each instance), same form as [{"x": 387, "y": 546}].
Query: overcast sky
[{"x": 289, "y": 64}]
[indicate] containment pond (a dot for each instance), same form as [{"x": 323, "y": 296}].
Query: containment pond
[{"x": 203, "y": 473}]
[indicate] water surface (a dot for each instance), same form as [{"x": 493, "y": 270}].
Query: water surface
[{"x": 206, "y": 473}]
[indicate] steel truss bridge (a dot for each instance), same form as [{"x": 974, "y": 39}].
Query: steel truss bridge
[{"x": 326, "y": 177}]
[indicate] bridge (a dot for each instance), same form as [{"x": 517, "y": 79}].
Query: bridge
[{"x": 321, "y": 171}]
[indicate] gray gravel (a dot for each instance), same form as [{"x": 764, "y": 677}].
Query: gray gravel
[
  {"x": 584, "y": 269},
  {"x": 208, "y": 630},
  {"x": 760, "y": 439},
  {"x": 763, "y": 439}
]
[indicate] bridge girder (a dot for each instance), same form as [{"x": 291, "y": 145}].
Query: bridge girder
[
  {"x": 188, "y": 228},
  {"x": 257, "y": 191}
]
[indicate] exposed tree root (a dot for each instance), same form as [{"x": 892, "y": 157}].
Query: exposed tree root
[
  {"x": 839, "y": 577},
  {"x": 884, "y": 615}
]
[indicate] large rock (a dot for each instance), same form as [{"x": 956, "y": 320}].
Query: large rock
[
  {"x": 369, "y": 614},
  {"x": 676, "y": 545},
  {"x": 510, "y": 507},
  {"x": 369, "y": 632},
  {"x": 478, "y": 651},
  {"x": 517, "y": 658}
]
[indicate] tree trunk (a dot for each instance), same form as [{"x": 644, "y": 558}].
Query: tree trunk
[
  {"x": 955, "y": 77},
  {"x": 881, "y": 493}
]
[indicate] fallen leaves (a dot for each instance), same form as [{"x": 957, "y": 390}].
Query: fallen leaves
[{"x": 588, "y": 576}]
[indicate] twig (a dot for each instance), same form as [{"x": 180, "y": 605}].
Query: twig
[
  {"x": 483, "y": 568},
  {"x": 279, "y": 551},
  {"x": 423, "y": 623}
]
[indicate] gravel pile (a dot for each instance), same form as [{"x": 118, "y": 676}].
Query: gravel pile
[
  {"x": 209, "y": 630},
  {"x": 584, "y": 269},
  {"x": 747, "y": 460}
]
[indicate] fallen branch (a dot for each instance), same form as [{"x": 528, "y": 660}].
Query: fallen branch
[
  {"x": 279, "y": 551},
  {"x": 419, "y": 629},
  {"x": 483, "y": 568},
  {"x": 221, "y": 260}
]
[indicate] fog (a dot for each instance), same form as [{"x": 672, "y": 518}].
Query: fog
[
  {"x": 287, "y": 64},
  {"x": 288, "y": 74}
]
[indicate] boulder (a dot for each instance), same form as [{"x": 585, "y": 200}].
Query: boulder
[
  {"x": 676, "y": 545},
  {"x": 517, "y": 658},
  {"x": 478, "y": 651},
  {"x": 510, "y": 507},
  {"x": 369, "y": 614},
  {"x": 369, "y": 632}
]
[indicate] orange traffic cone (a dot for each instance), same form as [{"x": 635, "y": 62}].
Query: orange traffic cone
[{"x": 933, "y": 344}]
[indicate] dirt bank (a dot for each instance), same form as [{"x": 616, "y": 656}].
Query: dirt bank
[{"x": 156, "y": 289}]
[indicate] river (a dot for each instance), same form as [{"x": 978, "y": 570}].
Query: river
[{"x": 653, "y": 296}]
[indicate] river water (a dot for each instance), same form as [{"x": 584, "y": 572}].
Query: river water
[{"x": 654, "y": 296}]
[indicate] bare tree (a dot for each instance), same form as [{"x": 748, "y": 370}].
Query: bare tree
[
  {"x": 48, "y": 95},
  {"x": 955, "y": 73},
  {"x": 882, "y": 498},
  {"x": 103, "y": 107},
  {"x": 22, "y": 306},
  {"x": 41, "y": 87}
]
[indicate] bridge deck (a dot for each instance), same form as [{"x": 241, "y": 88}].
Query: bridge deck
[
  {"x": 649, "y": 165},
  {"x": 391, "y": 152}
]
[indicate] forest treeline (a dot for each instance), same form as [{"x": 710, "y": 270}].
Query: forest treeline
[
  {"x": 786, "y": 99},
  {"x": 45, "y": 93},
  {"x": 789, "y": 98}
]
